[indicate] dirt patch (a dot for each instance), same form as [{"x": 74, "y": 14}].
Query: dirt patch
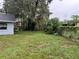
[
  {"x": 2, "y": 45},
  {"x": 67, "y": 44}
]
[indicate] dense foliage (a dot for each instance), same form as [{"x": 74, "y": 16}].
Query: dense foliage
[
  {"x": 53, "y": 26},
  {"x": 33, "y": 11}
]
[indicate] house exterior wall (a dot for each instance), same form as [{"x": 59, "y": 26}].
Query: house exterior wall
[{"x": 9, "y": 30}]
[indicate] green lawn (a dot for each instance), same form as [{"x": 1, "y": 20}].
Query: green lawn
[{"x": 37, "y": 45}]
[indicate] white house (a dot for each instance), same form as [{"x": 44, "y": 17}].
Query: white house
[{"x": 6, "y": 24}]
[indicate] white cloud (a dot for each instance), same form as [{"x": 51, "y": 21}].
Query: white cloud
[
  {"x": 1, "y": 4},
  {"x": 64, "y": 9}
]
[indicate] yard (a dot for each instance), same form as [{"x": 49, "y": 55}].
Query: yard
[{"x": 37, "y": 45}]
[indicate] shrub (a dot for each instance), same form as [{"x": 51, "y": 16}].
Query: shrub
[
  {"x": 71, "y": 33},
  {"x": 52, "y": 26}
]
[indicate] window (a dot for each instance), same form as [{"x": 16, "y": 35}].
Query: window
[{"x": 3, "y": 26}]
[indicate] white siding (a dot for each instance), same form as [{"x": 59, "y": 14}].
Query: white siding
[{"x": 9, "y": 30}]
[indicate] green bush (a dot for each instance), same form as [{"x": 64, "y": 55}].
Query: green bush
[
  {"x": 52, "y": 26},
  {"x": 71, "y": 33}
]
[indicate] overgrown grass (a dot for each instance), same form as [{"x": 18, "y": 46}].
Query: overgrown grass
[
  {"x": 72, "y": 35},
  {"x": 37, "y": 45}
]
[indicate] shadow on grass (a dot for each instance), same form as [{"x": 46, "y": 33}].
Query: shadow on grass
[{"x": 28, "y": 32}]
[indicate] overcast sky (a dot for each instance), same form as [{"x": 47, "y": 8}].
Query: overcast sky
[
  {"x": 1, "y": 3},
  {"x": 62, "y": 9}
]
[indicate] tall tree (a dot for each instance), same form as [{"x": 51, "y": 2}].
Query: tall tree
[
  {"x": 32, "y": 10},
  {"x": 75, "y": 18}
]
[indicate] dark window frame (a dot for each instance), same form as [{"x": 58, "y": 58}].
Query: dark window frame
[{"x": 3, "y": 26}]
